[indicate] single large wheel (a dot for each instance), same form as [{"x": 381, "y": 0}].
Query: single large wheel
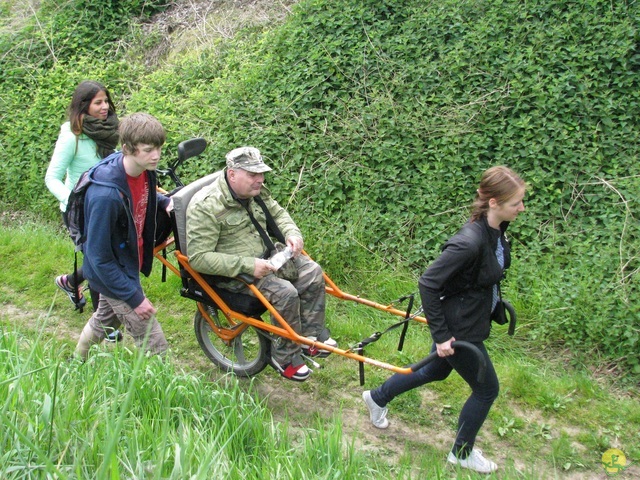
[{"x": 245, "y": 355}]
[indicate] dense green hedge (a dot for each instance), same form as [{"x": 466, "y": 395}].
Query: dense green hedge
[
  {"x": 379, "y": 117},
  {"x": 42, "y": 58}
]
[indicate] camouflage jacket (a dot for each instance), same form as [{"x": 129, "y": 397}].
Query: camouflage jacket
[{"x": 221, "y": 239}]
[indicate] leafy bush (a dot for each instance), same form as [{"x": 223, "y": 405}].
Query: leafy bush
[
  {"x": 379, "y": 117},
  {"x": 42, "y": 62},
  {"x": 62, "y": 31}
]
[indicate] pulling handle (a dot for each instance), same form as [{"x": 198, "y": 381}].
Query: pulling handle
[{"x": 482, "y": 363}]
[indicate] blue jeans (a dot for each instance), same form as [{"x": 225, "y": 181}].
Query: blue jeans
[{"x": 476, "y": 408}]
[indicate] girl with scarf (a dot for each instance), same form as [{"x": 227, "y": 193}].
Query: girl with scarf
[{"x": 90, "y": 135}]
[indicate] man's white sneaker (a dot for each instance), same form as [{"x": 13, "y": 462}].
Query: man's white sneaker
[
  {"x": 313, "y": 351},
  {"x": 475, "y": 461},
  {"x": 377, "y": 414}
]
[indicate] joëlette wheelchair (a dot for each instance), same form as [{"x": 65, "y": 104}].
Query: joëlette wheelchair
[{"x": 229, "y": 327}]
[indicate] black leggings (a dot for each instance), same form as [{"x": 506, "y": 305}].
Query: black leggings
[
  {"x": 71, "y": 279},
  {"x": 95, "y": 295},
  {"x": 476, "y": 408}
]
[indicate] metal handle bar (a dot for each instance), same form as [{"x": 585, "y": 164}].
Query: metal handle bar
[
  {"x": 186, "y": 149},
  {"x": 482, "y": 362},
  {"x": 512, "y": 317}
]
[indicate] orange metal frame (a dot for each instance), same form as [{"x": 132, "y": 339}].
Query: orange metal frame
[{"x": 240, "y": 322}]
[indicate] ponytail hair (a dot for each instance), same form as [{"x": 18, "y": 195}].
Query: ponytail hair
[{"x": 500, "y": 183}]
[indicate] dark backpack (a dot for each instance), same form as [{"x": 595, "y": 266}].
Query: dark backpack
[{"x": 73, "y": 216}]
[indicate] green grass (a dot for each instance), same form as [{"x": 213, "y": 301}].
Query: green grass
[{"x": 124, "y": 415}]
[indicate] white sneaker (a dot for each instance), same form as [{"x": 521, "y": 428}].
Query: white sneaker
[
  {"x": 313, "y": 351},
  {"x": 475, "y": 461},
  {"x": 377, "y": 414}
]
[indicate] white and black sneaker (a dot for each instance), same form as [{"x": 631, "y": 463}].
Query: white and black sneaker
[
  {"x": 114, "y": 336},
  {"x": 475, "y": 461},
  {"x": 74, "y": 294},
  {"x": 315, "y": 352},
  {"x": 298, "y": 373}
]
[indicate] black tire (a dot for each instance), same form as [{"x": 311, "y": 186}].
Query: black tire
[{"x": 248, "y": 353}]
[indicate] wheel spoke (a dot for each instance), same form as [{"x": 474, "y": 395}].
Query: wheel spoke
[{"x": 245, "y": 355}]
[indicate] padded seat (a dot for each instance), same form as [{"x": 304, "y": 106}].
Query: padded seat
[{"x": 181, "y": 201}]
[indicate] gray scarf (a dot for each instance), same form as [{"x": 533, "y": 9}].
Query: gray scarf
[{"x": 103, "y": 132}]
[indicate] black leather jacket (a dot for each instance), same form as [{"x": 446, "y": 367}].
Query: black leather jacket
[{"x": 457, "y": 288}]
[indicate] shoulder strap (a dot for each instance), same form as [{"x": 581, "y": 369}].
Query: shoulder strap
[
  {"x": 272, "y": 227},
  {"x": 265, "y": 238}
]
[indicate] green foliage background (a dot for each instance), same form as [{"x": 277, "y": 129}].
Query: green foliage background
[{"x": 378, "y": 118}]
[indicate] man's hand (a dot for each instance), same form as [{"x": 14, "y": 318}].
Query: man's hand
[
  {"x": 169, "y": 208},
  {"x": 296, "y": 244},
  {"x": 145, "y": 310},
  {"x": 262, "y": 267},
  {"x": 444, "y": 349}
]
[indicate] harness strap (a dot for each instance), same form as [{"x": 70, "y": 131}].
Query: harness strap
[
  {"x": 272, "y": 227},
  {"x": 407, "y": 316},
  {"x": 76, "y": 297},
  {"x": 374, "y": 337}
]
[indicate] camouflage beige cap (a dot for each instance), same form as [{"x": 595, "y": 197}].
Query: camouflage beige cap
[{"x": 247, "y": 158}]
